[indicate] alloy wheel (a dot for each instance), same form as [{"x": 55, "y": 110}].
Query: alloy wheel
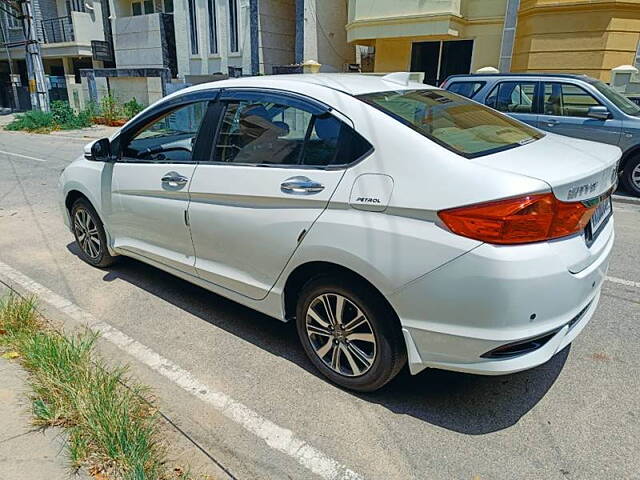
[
  {"x": 341, "y": 335},
  {"x": 635, "y": 176},
  {"x": 86, "y": 232}
]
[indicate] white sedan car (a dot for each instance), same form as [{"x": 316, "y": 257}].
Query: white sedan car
[{"x": 394, "y": 222}]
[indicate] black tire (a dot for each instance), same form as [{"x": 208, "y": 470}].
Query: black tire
[
  {"x": 102, "y": 258},
  {"x": 389, "y": 350},
  {"x": 631, "y": 186}
]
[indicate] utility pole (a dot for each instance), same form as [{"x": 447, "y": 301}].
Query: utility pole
[
  {"x": 14, "y": 89},
  {"x": 35, "y": 70}
]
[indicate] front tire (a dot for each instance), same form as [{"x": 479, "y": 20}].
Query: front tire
[
  {"x": 350, "y": 333},
  {"x": 631, "y": 176},
  {"x": 90, "y": 235}
]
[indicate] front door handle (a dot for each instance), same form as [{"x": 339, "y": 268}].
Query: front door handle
[
  {"x": 300, "y": 186},
  {"x": 174, "y": 179}
]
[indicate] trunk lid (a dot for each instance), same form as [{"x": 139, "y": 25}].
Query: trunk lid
[{"x": 575, "y": 169}]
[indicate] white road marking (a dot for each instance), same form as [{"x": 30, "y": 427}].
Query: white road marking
[
  {"x": 23, "y": 156},
  {"x": 622, "y": 281},
  {"x": 274, "y": 436}
]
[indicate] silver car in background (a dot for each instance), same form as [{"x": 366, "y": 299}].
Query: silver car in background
[{"x": 573, "y": 105}]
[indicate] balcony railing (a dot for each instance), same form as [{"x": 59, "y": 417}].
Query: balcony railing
[{"x": 57, "y": 30}]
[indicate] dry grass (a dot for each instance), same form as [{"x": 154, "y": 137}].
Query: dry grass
[{"x": 112, "y": 425}]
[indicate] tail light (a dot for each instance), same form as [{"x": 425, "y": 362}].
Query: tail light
[{"x": 532, "y": 218}]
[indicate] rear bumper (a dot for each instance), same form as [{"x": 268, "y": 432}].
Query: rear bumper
[{"x": 495, "y": 296}]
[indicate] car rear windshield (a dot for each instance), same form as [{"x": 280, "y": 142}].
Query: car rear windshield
[{"x": 463, "y": 126}]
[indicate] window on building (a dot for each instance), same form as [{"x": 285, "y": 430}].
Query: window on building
[
  {"x": 513, "y": 97},
  {"x": 142, "y": 8},
  {"x": 233, "y": 26},
  {"x": 10, "y": 20},
  {"x": 213, "y": 27},
  {"x": 567, "y": 100},
  {"x": 168, "y": 6},
  {"x": 193, "y": 26}
]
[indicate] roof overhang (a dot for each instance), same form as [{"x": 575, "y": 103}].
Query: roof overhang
[{"x": 440, "y": 25}]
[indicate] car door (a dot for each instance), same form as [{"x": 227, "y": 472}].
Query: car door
[
  {"x": 565, "y": 109},
  {"x": 150, "y": 185},
  {"x": 517, "y": 99},
  {"x": 277, "y": 159}
]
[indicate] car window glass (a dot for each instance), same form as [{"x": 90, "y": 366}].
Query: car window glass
[
  {"x": 261, "y": 133},
  {"x": 453, "y": 121},
  {"x": 467, "y": 89},
  {"x": 169, "y": 138},
  {"x": 563, "y": 99},
  {"x": 513, "y": 97}
]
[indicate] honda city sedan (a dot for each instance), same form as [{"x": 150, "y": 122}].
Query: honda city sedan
[{"x": 394, "y": 222}]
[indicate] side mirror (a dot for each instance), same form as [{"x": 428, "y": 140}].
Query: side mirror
[
  {"x": 98, "y": 151},
  {"x": 599, "y": 112}
]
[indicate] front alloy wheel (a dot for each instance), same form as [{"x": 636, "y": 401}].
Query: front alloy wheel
[
  {"x": 350, "y": 332},
  {"x": 86, "y": 232},
  {"x": 341, "y": 335},
  {"x": 90, "y": 234}
]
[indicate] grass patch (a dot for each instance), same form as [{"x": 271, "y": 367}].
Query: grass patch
[{"x": 112, "y": 429}]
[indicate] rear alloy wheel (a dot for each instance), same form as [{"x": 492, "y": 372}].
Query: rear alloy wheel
[
  {"x": 90, "y": 235},
  {"x": 631, "y": 176},
  {"x": 349, "y": 333}
]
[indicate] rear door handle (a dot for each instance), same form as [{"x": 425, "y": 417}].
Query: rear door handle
[
  {"x": 300, "y": 186},
  {"x": 552, "y": 122},
  {"x": 174, "y": 179}
]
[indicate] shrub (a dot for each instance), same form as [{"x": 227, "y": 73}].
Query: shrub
[
  {"x": 33, "y": 121},
  {"x": 132, "y": 108},
  {"x": 66, "y": 119},
  {"x": 110, "y": 109}
]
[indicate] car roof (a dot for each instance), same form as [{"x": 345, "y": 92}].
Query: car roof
[
  {"x": 584, "y": 78},
  {"x": 350, "y": 83}
]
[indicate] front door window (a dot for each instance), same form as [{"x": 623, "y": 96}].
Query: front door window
[{"x": 168, "y": 139}]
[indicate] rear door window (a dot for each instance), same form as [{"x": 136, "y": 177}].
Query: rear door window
[
  {"x": 566, "y": 100},
  {"x": 513, "y": 97},
  {"x": 271, "y": 132},
  {"x": 466, "y": 89}
]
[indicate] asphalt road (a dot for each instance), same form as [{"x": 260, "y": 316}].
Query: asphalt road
[{"x": 576, "y": 417}]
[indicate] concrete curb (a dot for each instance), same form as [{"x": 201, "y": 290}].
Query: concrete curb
[{"x": 625, "y": 199}]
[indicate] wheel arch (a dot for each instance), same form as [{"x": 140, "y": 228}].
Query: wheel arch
[
  {"x": 306, "y": 271},
  {"x": 628, "y": 155},
  {"x": 73, "y": 196}
]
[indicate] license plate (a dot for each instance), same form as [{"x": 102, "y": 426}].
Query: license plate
[{"x": 600, "y": 215}]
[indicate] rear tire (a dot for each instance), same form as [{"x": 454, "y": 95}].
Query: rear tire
[
  {"x": 350, "y": 333},
  {"x": 631, "y": 176},
  {"x": 90, "y": 235}
]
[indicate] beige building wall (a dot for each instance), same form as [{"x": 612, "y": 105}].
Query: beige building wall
[
  {"x": 392, "y": 28},
  {"x": 572, "y": 36}
]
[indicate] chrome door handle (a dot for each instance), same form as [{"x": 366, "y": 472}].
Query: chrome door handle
[
  {"x": 300, "y": 186},
  {"x": 174, "y": 179},
  {"x": 552, "y": 123}
]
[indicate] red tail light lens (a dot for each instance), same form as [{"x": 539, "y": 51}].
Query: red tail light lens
[{"x": 532, "y": 218}]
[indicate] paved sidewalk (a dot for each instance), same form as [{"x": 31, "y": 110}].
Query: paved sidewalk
[{"x": 26, "y": 453}]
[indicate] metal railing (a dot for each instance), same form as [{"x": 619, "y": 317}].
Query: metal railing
[{"x": 57, "y": 30}]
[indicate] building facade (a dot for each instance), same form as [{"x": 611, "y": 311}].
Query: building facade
[
  {"x": 197, "y": 40},
  {"x": 69, "y": 32},
  {"x": 444, "y": 37}
]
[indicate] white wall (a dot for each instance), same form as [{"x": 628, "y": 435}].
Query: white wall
[
  {"x": 325, "y": 37},
  {"x": 138, "y": 41}
]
